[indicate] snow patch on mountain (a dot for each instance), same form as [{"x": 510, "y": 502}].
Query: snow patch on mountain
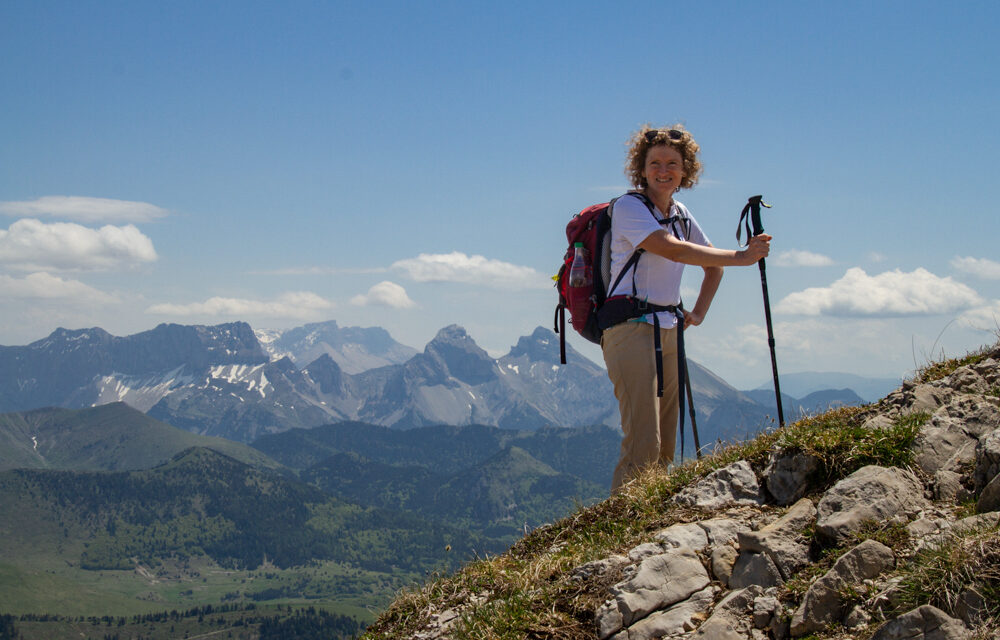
[{"x": 140, "y": 392}]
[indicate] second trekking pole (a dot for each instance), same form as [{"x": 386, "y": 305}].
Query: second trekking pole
[{"x": 753, "y": 208}]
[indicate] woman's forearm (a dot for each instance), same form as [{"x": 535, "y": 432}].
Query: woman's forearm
[{"x": 663, "y": 244}]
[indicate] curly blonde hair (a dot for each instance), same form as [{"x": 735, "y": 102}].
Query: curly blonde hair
[{"x": 675, "y": 136}]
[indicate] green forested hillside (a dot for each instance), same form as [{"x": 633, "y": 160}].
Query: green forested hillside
[
  {"x": 109, "y": 513},
  {"x": 499, "y": 497},
  {"x": 204, "y": 529},
  {"x": 111, "y": 437},
  {"x": 205, "y": 503},
  {"x": 497, "y": 482},
  {"x": 587, "y": 452}
]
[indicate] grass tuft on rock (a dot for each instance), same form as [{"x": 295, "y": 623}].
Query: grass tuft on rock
[
  {"x": 966, "y": 563},
  {"x": 945, "y": 367}
]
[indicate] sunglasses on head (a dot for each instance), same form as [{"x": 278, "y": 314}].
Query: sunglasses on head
[{"x": 672, "y": 134}]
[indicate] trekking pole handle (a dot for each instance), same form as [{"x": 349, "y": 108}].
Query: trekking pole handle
[
  {"x": 756, "y": 202},
  {"x": 751, "y": 216}
]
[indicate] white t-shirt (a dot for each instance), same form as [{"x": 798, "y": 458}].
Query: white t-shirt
[{"x": 657, "y": 279}]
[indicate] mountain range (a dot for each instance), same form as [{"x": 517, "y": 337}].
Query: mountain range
[
  {"x": 232, "y": 382},
  {"x": 804, "y": 383}
]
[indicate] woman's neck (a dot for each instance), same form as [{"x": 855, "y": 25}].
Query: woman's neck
[{"x": 662, "y": 202}]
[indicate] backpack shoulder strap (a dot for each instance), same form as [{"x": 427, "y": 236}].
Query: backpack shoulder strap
[{"x": 633, "y": 260}]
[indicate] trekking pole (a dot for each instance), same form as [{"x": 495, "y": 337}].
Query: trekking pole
[
  {"x": 753, "y": 208},
  {"x": 694, "y": 425}
]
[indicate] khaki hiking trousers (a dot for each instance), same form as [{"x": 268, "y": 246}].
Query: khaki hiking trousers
[{"x": 649, "y": 424}]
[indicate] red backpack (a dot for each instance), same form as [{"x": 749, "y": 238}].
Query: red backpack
[{"x": 592, "y": 228}]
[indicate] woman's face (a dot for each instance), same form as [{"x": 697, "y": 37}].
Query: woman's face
[{"x": 664, "y": 170}]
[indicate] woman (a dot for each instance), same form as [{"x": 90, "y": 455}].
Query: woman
[{"x": 660, "y": 163}]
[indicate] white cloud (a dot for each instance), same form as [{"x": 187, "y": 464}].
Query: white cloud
[
  {"x": 875, "y": 256},
  {"x": 893, "y": 293},
  {"x": 386, "y": 294},
  {"x": 84, "y": 209},
  {"x": 459, "y": 267},
  {"x": 981, "y": 267},
  {"x": 46, "y": 286},
  {"x": 798, "y": 258},
  {"x": 31, "y": 245},
  {"x": 295, "y": 304},
  {"x": 986, "y": 317},
  {"x": 865, "y": 346}
]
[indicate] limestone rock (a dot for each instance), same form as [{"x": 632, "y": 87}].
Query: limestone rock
[
  {"x": 731, "y": 485},
  {"x": 987, "y": 459},
  {"x": 683, "y": 535},
  {"x": 870, "y": 493},
  {"x": 977, "y": 415},
  {"x": 660, "y": 581},
  {"x": 857, "y": 618},
  {"x": 645, "y": 550},
  {"x": 781, "y": 540},
  {"x": 722, "y": 530},
  {"x": 948, "y": 486},
  {"x": 729, "y": 619},
  {"x": 991, "y": 519},
  {"x": 971, "y": 607},
  {"x": 989, "y": 500},
  {"x": 923, "y": 623},
  {"x": 677, "y": 619},
  {"x": 764, "y": 610},
  {"x": 755, "y": 569},
  {"x": 822, "y": 605},
  {"x": 989, "y": 369},
  {"x": 787, "y": 475},
  {"x": 944, "y": 444},
  {"x": 967, "y": 380},
  {"x": 722, "y": 560},
  {"x": 928, "y": 397}
]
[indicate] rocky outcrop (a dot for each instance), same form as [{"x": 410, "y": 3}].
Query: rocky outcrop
[
  {"x": 823, "y": 603},
  {"x": 870, "y": 494},
  {"x": 922, "y": 623},
  {"x": 770, "y": 553},
  {"x": 957, "y": 455}
]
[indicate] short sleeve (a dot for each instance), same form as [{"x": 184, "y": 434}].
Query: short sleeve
[{"x": 632, "y": 220}]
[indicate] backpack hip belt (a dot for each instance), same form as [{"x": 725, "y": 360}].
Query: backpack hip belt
[{"x": 619, "y": 309}]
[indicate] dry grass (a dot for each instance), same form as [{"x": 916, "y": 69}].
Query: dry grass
[
  {"x": 968, "y": 559},
  {"x": 945, "y": 367}
]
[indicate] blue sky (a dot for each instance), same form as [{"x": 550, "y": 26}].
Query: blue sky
[{"x": 412, "y": 165}]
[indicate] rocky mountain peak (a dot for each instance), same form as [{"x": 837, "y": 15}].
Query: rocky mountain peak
[
  {"x": 63, "y": 340},
  {"x": 460, "y": 356},
  {"x": 453, "y": 333},
  {"x": 355, "y": 349},
  {"x": 541, "y": 346}
]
